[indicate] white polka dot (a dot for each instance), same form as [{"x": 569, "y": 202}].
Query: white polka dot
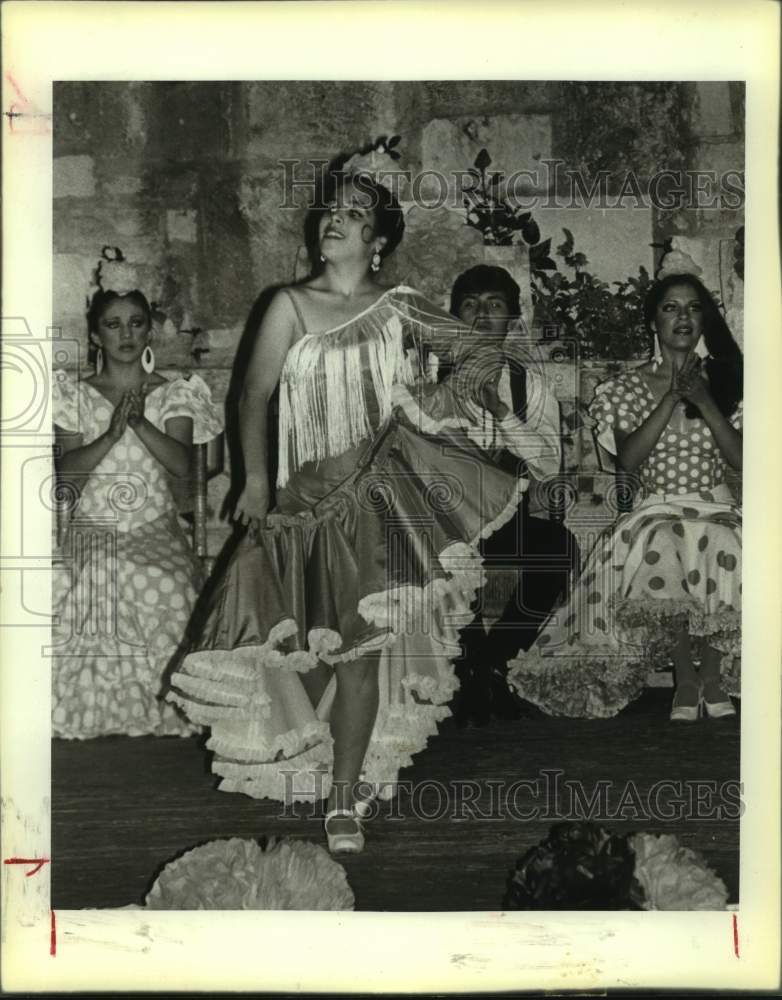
[
  {"x": 682, "y": 466},
  {"x": 151, "y": 597},
  {"x": 120, "y": 452},
  {"x": 135, "y": 452},
  {"x": 154, "y": 571},
  {"x": 624, "y": 424},
  {"x": 139, "y": 582},
  {"x": 166, "y": 586},
  {"x": 683, "y": 480},
  {"x": 672, "y": 460},
  {"x": 177, "y": 601}
]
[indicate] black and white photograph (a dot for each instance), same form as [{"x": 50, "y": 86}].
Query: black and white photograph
[{"x": 388, "y": 430}]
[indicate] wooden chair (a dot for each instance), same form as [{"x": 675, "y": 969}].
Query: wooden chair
[{"x": 190, "y": 494}]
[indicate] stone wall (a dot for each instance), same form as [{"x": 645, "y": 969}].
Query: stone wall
[{"x": 186, "y": 179}]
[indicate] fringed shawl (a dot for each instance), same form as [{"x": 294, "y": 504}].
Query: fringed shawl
[{"x": 327, "y": 377}]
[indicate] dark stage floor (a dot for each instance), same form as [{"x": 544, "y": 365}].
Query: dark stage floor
[{"x": 124, "y": 806}]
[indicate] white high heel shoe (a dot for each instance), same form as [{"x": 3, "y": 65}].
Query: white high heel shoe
[{"x": 344, "y": 843}]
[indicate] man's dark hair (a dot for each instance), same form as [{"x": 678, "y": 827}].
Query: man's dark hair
[{"x": 486, "y": 278}]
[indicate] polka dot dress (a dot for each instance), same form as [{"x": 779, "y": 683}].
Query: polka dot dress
[
  {"x": 125, "y": 579},
  {"x": 673, "y": 562}
]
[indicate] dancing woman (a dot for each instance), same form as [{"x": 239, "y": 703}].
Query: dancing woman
[
  {"x": 665, "y": 581},
  {"x": 326, "y": 652},
  {"x": 125, "y": 580}
]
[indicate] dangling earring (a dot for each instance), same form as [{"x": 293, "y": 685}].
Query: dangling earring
[
  {"x": 99, "y": 361},
  {"x": 375, "y": 265},
  {"x": 322, "y": 259},
  {"x": 657, "y": 357},
  {"x": 148, "y": 360}
]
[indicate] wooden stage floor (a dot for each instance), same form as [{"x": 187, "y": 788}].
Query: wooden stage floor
[{"x": 124, "y": 806}]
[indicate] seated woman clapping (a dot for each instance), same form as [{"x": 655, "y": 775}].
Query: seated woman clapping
[
  {"x": 665, "y": 581},
  {"x": 125, "y": 580}
]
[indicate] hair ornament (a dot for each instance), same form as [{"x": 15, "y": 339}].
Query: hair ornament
[
  {"x": 676, "y": 261},
  {"x": 115, "y": 274},
  {"x": 377, "y": 161}
]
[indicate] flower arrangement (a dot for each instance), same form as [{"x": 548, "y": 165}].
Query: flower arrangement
[
  {"x": 582, "y": 866},
  {"x": 240, "y": 874}
]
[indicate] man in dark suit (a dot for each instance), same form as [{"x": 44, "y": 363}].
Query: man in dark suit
[{"x": 520, "y": 424}]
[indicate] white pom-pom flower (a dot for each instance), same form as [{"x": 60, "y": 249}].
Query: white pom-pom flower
[
  {"x": 239, "y": 874},
  {"x": 117, "y": 276},
  {"x": 675, "y": 877}
]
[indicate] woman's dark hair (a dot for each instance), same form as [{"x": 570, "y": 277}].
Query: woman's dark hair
[
  {"x": 101, "y": 301},
  {"x": 725, "y": 365},
  {"x": 486, "y": 278}
]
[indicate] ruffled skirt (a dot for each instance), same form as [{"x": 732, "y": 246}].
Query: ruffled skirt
[
  {"x": 370, "y": 552},
  {"x": 674, "y": 562},
  {"x": 123, "y": 601}
]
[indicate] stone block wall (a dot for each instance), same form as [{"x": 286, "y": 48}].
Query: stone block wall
[{"x": 186, "y": 178}]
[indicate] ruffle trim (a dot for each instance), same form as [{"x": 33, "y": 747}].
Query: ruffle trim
[
  {"x": 303, "y": 771},
  {"x": 596, "y": 685},
  {"x": 589, "y": 680}
]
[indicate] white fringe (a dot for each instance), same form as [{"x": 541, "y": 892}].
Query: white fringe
[{"x": 323, "y": 405}]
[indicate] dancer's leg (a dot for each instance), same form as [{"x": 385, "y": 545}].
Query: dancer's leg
[
  {"x": 316, "y": 681},
  {"x": 352, "y": 720},
  {"x": 710, "y": 677},
  {"x": 687, "y": 694}
]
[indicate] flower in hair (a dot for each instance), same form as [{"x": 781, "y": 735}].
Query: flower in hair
[
  {"x": 115, "y": 274},
  {"x": 676, "y": 261},
  {"x": 377, "y": 162}
]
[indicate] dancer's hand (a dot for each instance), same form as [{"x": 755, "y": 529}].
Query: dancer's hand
[
  {"x": 674, "y": 392},
  {"x": 136, "y": 404},
  {"x": 119, "y": 419},
  {"x": 490, "y": 398},
  {"x": 691, "y": 383},
  {"x": 253, "y": 503}
]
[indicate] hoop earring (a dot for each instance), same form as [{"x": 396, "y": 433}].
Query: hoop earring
[
  {"x": 99, "y": 361},
  {"x": 148, "y": 360},
  {"x": 322, "y": 259},
  {"x": 375, "y": 265}
]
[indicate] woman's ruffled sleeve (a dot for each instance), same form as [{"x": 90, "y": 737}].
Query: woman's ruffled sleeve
[
  {"x": 737, "y": 417},
  {"x": 191, "y": 398},
  {"x": 66, "y": 402},
  {"x": 612, "y": 408}
]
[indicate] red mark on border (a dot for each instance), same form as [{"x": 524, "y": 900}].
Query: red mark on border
[
  {"x": 736, "y": 936},
  {"x": 37, "y": 864},
  {"x": 53, "y": 936}
]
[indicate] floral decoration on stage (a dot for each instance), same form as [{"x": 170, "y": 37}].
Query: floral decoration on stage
[
  {"x": 582, "y": 866},
  {"x": 241, "y": 874}
]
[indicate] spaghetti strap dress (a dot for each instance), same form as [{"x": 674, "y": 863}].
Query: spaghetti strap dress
[
  {"x": 371, "y": 549},
  {"x": 673, "y": 561}
]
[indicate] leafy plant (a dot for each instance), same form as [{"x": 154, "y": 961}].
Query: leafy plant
[
  {"x": 500, "y": 222},
  {"x": 604, "y": 322}
]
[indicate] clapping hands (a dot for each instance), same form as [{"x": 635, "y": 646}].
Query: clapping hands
[
  {"x": 688, "y": 383},
  {"x": 129, "y": 412}
]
